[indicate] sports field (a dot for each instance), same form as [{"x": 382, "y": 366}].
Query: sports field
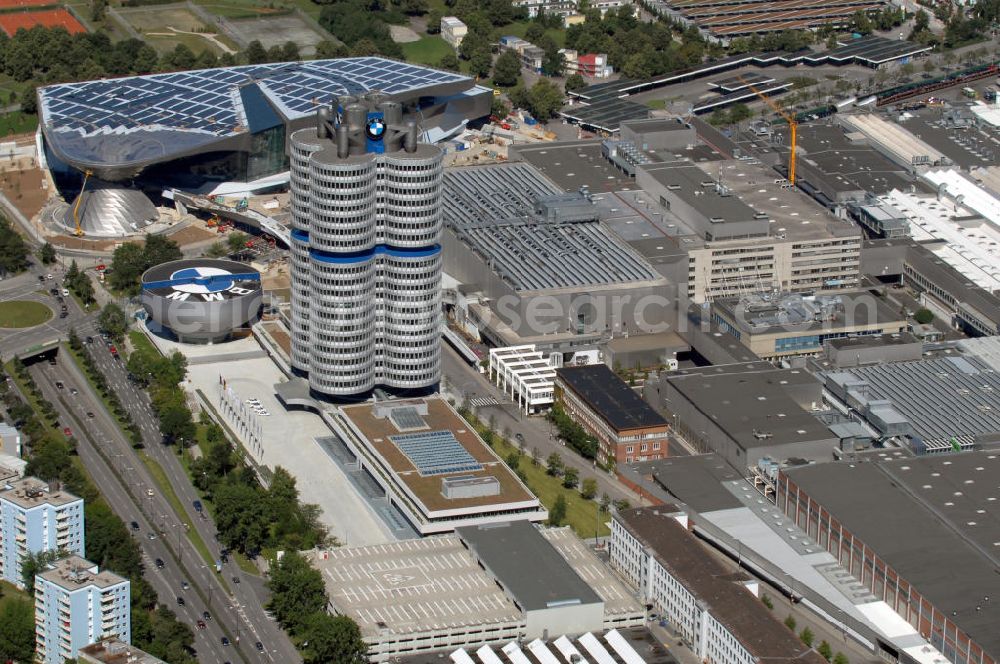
[
  {"x": 12, "y": 4},
  {"x": 50, "y": 18},
  {"x": 166, "y": 26},
  {"x": 275, "y": 31}
]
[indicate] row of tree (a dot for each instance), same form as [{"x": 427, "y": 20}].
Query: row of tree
[
  {"x": 100, "y": 383},
  {"x": 109, "y": 544},
  {"x": 13, "y": 250},
  {"x": 77, "y": 281},
  {"x": 299, "y": 600},
  {"x": 161, "y": 375}
]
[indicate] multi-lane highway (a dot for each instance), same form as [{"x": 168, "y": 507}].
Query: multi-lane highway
[
  {"x": 249, "y": 594},
  {"x": 127, "y": 488}
]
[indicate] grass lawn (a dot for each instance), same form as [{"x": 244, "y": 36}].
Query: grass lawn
[
  {"x": 657, "y": 104},
  {"x": 243, "y": 9},
  {"x": 23, "y": 313},
  {"x": 428, "y": 50},
  {"x": 9, "y": 593},
  {"x": 581, "y": 514},
  {"x": 140, "y": 341},
  {"x": 17, "y": 123}
]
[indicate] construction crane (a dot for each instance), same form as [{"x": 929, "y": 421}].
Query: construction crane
[
  {"x": 79, "y": 199},
  {"x": 792, "y": 126}
]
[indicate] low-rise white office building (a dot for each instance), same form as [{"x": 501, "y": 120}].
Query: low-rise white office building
[
  {"x": 525, "y": 374},
  {"x": 716, "y": 612}
]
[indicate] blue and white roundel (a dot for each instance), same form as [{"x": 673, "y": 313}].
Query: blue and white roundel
[
  {"x": 208, "y": 286},
  {"x": 375, "y": 129}
]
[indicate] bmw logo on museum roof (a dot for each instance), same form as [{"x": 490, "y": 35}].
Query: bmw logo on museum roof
[{"x": 205, "y": 280}]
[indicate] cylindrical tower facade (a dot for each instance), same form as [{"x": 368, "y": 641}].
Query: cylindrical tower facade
[
  {"x": 366, "y": 203},
  {"x": 301, "y": 147}
]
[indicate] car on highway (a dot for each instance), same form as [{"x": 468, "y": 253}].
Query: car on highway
[
  {"x": 48, "y": 276},
  {"x": 74, "y": 391},
  {"x": 89, "y": 340},
  {"x": 201, "y": 624},
  {"x": 59, "y": 384},
  {"x": 67, "y": 432},
  {"x": 225, "y": 640},
  {"x": 197, "y": 506},
  {"x": 149, "y": 492},
  {"x": 184, "y": 585},
  {"x": 159, "y": 563},
  {"x": 151, "y": 535},
  {"x": 259, "y": 646},
  {"x": 65, "y": 293},
  {"x": 90, "y": 415},
  {"x": 180, "y": 601},
  {"x": 236, "y": 579},
  {"x": 134, "y": 525},
  {"x": 206, "y": 615},
  {"x": 63, "y": 314}
]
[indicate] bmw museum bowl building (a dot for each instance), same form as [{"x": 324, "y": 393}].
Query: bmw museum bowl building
[{"x": 202, "y": 300}]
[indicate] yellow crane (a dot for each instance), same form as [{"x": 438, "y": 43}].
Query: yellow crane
[
  {"x": 792, "y": 126},
  {"x": 79, "y": 199}
]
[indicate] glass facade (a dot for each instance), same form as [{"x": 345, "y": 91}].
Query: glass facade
[{"x": 267, "y": 153}]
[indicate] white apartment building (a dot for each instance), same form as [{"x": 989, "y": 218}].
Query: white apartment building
[
  {"x": 525, "y": 374},
  {"x": 453, "y": 30},
  {"x": 33, "y": 519},
  {"x": 721, "y": 619},
  {"x": 76, "y": 605}
]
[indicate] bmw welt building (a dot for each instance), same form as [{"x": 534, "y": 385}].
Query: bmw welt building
[{"x": 366, "y": 258}]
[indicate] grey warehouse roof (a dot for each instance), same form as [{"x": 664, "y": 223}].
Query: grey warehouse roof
[
  {"x": 547, "y": 582},
  {"x": 930, "y": 519},
  {"x": 491, "y": 209},
  {"x": 941, "y": 398}
]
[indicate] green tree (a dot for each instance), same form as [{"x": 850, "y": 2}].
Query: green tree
[
  {"x": 182, "y": 57},
  {"x": 47, "y": 254},
  {"x": 290, "y": 52},
  {"x": 575, "y": 82},
  {"x": 480, "y": 63},
  {"x": 237, "y": 241},
  {"x": 923, "y": 316},
  {"x": 434, "y": 22},
  {"x": 554, "y": 464},
  {"x": 861, "y": 23},
  {"x": 806, "y": 636},
  {"x": 297, "y": 591},
  {"x": 534, "y": 32},
  {"x": 790, "y": 623},
  {"x": 840, "y": 658},
  {"x": 255, "y": 53},
  {"x": 241, "y": 517},
  {"x": 327, "y": 49},
  {"x": 588, "y": 488},
  {"x": 544, "y": 99},
  {"x": 605, "y": 503},
  {"x": 331, "y": 639},
  {"x": 824, "y": 649},
  {"x": 765, "y": 599},
  {"x": 507, "y": 69},
  {"x": 570, "y": 478},
  {"x": 97, "y": 10},
  {"x": 113, "y": 321},
  {"x": 34, "y": 563},
  {"x": 449, "y": 62},
  {"x": 176, "y": 423},
  {"x": 622, "y": 504},
  {"x": 557, "y": 515},
  {"x": 17, "y": 631},
  {"x": 13, "y": 250}
]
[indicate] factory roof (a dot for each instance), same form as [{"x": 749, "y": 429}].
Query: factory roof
[
  {"x": 30, "y": 492},
  {"x": 695, "y": 481},
  {"x": 770, "y": 417},
  {"x": 921, "y": 259},
  {"x": 735, "y": 607},
  {"x": 848, "y": 166},
  {"x": 901, "y": 145},
  {"x": 943, "y": 398},
  {"x": 970, "y": 246},
  {"x": 794, "y": 312},
  {"x": 609, "y": 397},
  {"x": 701, "y": 191},
  {"x": 606, "y": 115},
  {"x": 492, "y": 210},
  {"x": 960, "y": 188},
  {"x": 526, "y": 565},
  {"x": 929, "y": 519}
]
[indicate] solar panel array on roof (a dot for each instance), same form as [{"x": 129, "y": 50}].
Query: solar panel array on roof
[
  {"x": 606, "y": 115},
  {"x": 874, "y": 49},
  {"x": 436, "y": 452},
  {"x": 406, "y": 417},
  {"x": 207, "y": 100}
]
